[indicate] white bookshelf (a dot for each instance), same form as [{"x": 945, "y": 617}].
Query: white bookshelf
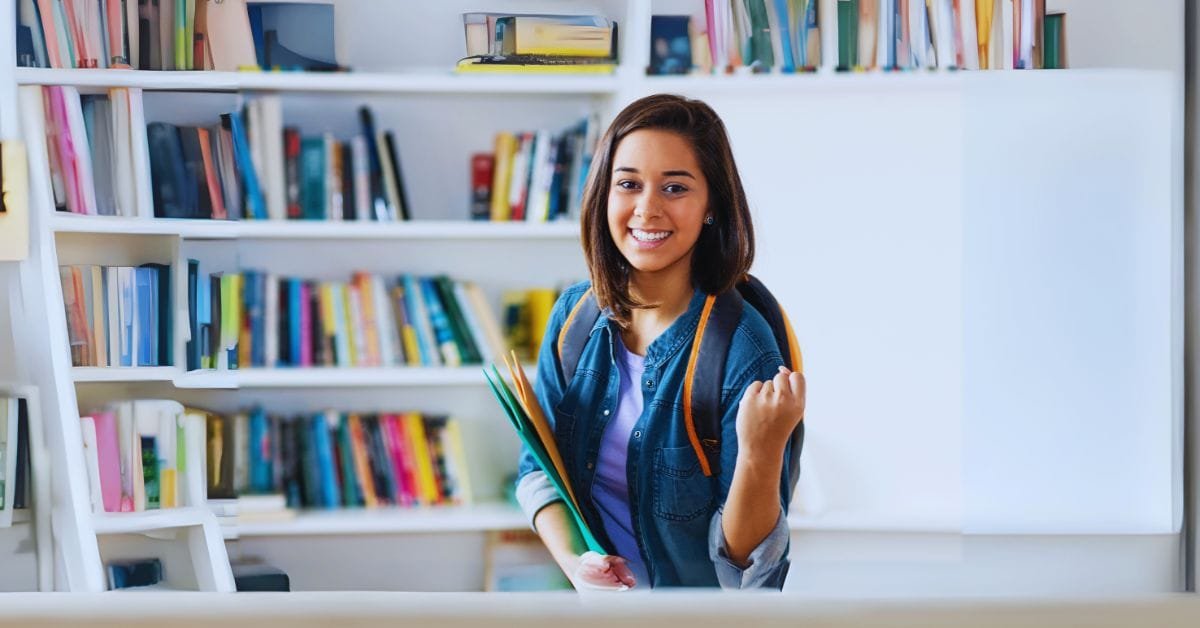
[{"x": 895, "y": 203}]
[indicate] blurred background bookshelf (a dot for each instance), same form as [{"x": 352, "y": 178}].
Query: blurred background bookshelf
[{"x": 441, "y": 121}]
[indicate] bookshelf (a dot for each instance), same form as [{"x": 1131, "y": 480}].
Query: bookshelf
[{"x": 834, "y": 206}]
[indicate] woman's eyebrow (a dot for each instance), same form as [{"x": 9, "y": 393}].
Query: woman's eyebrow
[{"x": 666, "y": 173}]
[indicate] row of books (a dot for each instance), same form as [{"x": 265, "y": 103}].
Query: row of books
[
  {"x": 340, "y": 459},
  {"x": 251, "y": 166},
  {"x": 14, "y": 441},
  {"x": 505, "y": 42},
  {"x": 92, "y": 143},
  {"x": 785, "y": 36},
  {"x": 258, "y": 319},
  {"x": 174, "y": 34},
  {"x": 145, "y": 455},
  {"x": 118, "y": 315},
  {"x": 533, "y": 176}
]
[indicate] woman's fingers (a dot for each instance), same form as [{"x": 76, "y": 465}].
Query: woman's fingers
[
  {"x": 780, "y": 383},
  {"x": 622, "y": 572},
  {"x": 798, "y": 385}
]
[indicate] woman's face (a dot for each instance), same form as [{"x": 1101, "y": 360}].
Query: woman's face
[{"x": 657, "y": 200}]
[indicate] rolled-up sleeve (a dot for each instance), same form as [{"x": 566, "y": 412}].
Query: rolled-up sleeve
[
  {"x": 766, "y": 566},
  {"x": 535, "y": 492}
]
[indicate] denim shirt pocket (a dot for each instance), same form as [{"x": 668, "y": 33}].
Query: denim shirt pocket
[{"x": 681, "y": 491}]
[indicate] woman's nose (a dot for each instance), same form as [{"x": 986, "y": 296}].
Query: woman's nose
[{"x": 646, "y": 206}]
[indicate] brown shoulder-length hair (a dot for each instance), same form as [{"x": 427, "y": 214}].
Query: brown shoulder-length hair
[{"x": 725, "y": 249}]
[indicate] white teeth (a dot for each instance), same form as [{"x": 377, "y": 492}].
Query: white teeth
[{"x": 646, "y": 236}]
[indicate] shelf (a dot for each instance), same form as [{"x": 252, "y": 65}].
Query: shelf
[
  {"x": 316, "y": 230},
  {"x": 86, "y": 374},
  {"x": 421, "y": 81},
  {"x": 438, "y": 519},
  {"x": 149, "y": 520},
  {"x": 313, "y": 377}
]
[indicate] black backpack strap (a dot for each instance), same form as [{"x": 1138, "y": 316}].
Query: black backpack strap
[
  {"x": 576, "y": 330},
  {"x": 755, "y": 293},
  {"x": 706, "y": 367}
]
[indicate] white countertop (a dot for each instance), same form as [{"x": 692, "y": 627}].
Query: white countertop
[{"x": 556, "y": 610}]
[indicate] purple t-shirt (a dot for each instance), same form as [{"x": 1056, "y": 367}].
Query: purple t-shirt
[{"x": 610, "y": 491}]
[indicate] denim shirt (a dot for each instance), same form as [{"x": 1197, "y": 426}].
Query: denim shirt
[{"x": 676, "y": 510}]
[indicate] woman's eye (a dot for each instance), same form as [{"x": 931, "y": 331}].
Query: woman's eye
[
  {"x": 675, "y": 188},
  {"x": 626, "y": 184}
]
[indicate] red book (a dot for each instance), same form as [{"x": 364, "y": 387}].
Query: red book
[
  {"x": 210, "y": 174},
  {"x": 482, "y": 170},
  {"x": 291, "y": 158},
  {"x": 306, "y": 325}
]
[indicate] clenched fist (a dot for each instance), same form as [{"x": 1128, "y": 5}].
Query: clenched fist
[{"x": 768, "y": 413}]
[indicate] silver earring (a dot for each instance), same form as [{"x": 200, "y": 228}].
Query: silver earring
[{"x": 709, "y": 220}]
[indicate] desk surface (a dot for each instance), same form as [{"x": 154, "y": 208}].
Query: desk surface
[{"x": 556, "y": 610}]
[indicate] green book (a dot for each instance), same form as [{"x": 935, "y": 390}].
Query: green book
[
  {"x": 150, "y": 471},
  {"x": 458, "y": 323},
  {"x": 760, "y": 35},
  {"x": 847, "y": 19},
  {"x": 1054, "y": 42}
]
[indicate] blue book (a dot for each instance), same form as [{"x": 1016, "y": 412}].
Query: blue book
[
  {"x": 204, "y": 319},
  {"x": 785, "y": 35},
  {"x": 193, "y": 343},
  {"x": 350, "y": 481},
  {"x": 443, "y": 334},
  {"x": 126, "y": 291},
  {"x": 256, "y": 291},
  {"x": 295, "y": 333},
  {"x": 331, "y": 496},
  {"x": 256, "y": 205},
  {"x": 412, "y": 301},
  {"x": 161, "y": 289},
  {"x": 146, "y": 313},
  {"x": 260, "y": 466}
]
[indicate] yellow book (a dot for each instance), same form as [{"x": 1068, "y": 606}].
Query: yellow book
[
  {"x": 408, "y": 333},
  {"x": 984, "y": 10},
  {"x": 166, "y": 488},
  {"x": 453, "y": 445},
  {"x": 351, "y": 330},
  {"x": 362, "y": 282},
  {"x": 470, "y": 66},
  {"x": 414, "y": 429},
  {"x": 550, "y": 36},
  {"x": 540, "y": 303},
  {"x": 14, "y": 220},
  {"x": 505, "y": 151}
]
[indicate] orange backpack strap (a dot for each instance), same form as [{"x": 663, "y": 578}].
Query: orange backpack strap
[
  {"x": 576, "y": 330},
  {"x": 703, "y": 379}
]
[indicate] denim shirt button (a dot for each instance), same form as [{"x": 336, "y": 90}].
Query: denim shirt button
[
  {"x": 637, "y": 434},
  {"x": 649, "y": 383},
  {"x": 590, "y": 465},
  {"x": 606, "y": 413}
]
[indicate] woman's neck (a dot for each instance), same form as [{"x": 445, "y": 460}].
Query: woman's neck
[{"x": 670, "y": 289}]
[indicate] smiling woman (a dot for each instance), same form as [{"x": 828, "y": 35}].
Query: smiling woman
[{"x": 666, "y": 231}]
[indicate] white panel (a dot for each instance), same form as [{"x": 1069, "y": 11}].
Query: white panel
[
  {"x": 863, "y": 252},
  {"x": 1069, "y": 312}
]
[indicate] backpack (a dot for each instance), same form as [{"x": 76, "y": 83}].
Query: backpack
[{"x": 706, "y": 365}]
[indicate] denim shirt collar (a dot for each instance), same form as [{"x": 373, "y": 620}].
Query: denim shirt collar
[{"x": 671, "y": 340}]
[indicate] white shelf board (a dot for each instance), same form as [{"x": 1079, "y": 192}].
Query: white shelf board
[
  {"x": 361, "y": 376},
  {"x": 85, "y": 374},
  {"x": 417, "y": 81},
  {"x": 437, "y": 519},
  {"x": 317, "y": 230},
  {"x": 148, "y": 520}
]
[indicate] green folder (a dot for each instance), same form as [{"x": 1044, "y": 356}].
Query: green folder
[{"x": 528, "y": 433}]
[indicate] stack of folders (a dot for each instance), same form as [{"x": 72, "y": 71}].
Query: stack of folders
[
  {"x": 144, "y": 455},
  {"x": 336, "y": 459},
  {"x": 118, "y": 315},
  {"x": 537, "y": 43},
  {"x": 526, "y": 416},
  {"x": 258, "y": 319},
  {"x": 213, "y": 172},
  {"x": 533, "y": 176},
  {"x": 222, "y": 35}
]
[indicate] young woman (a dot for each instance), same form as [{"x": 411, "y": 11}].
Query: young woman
[{"x": 664, "y": 224}]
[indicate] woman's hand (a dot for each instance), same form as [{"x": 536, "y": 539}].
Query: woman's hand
[
  {"x": 595, "y": 571},
  {"x": 769, "y": 412}
]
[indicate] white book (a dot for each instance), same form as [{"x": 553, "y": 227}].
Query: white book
[
  {"x": 486, "y": 317},
  {"x": 127, "y": 307},
  {"x": 385, "y": 324},
  {"x": 132, "y": 28},
  {"x": 271, "y": 322},
  {"x": 362, "y": 177},
  {"x": 828, "y": 25},
  {"x": 254, "y": 136},
  {"x": 884, "y": 35},
  {"x": 390, "y": 185},
  {"x": 270, "y": 138},
  {"x": 333, "y": 179},
  {"x": 473, "y": 324},
  {"x": 140, "y": 147},
  {"x": 341, "y": 322},
  {"x": 91, "y": 461},
  {"x": 195, "y": 481},
  {"x": 520, "y": 170},
  {"x": 122, "y": 153},
  {"x": 970, "y": 34},
  {"x": 1003, "y": 37},
  {"x": 131, "y": 455},
  {"x": 947, "y": 40},
  {"x": 112, "y": 308},
  {"x": 537, "y": 203},
  {"x": 1025, "y": 47},
  {"x": 165, "y": 35},
  {"x": 241, "y": 452}
]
